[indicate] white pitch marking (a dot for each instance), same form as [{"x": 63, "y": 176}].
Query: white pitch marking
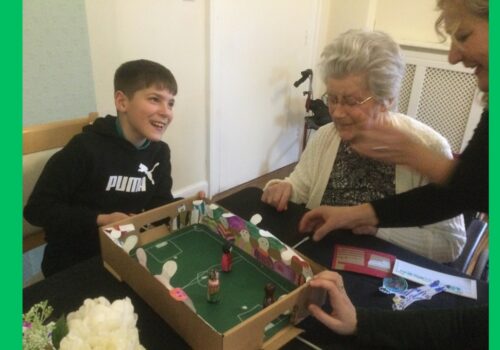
[
  {"x": 142, "y": 257},
  {"x": 115, "y": 234},
  {"x": 169, "y": 268},
  {"x": 256, "y": 219},
  {"x": 130, "y": 243},
  {"x": 161, "y": 245}
]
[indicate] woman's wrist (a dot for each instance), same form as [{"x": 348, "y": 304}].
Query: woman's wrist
[
  {"x": 435, "y": 166},
  {"x": 365, "y": 216}
]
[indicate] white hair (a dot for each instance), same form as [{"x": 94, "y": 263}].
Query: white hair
[{"x": 371, "y": 53}]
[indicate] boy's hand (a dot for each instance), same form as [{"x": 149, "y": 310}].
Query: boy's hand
[{"x": 106, "y": 219}]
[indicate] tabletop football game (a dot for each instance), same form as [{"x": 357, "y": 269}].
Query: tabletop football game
[{"x": 217, "y": 279}]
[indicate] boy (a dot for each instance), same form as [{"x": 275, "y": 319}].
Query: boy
[{"x": 115, "y": 168}]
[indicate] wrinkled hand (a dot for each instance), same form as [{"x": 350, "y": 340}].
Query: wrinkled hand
[
  {"x": 387, "y": 143},
  {"x": 342, "y": 319},
  {"x": 278, "y": 195},
  {"x": 106, "y": 219},
  {"x": 324, "y": 219}
]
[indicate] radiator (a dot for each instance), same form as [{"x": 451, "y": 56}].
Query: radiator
[{"x": 440, "y": 95}]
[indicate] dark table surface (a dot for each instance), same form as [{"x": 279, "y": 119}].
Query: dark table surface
[
  {"x": 362, "y": 289},
  {"x": 67, "y": 290}
]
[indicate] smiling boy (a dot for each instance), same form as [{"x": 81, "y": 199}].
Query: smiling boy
[{"x": 116, "y": 167}]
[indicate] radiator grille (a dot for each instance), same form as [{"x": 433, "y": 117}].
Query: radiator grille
[
  {"x": 406, "y": 85},
  {"x": 445, "y": 103}
]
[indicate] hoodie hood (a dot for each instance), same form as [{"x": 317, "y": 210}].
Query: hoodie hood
[
  {"x": 109, "y": 127},
  {"x": 104, "y": 126}
]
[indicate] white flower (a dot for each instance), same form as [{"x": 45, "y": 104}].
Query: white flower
[
  {"x": 99, "y": 325},
  {"x": 36, "y": 334}
]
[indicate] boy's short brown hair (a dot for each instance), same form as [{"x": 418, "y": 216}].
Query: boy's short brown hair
[{"x": 136, "y": 75}]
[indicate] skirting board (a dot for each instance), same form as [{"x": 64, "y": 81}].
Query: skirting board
[{"x": 191, "y": 190}]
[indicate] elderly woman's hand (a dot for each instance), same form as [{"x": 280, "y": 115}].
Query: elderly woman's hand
[
  {"x": 277, "y": 195},
  {"x": 342, "y": 319}
]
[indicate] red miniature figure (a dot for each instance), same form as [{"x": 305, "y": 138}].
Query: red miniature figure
[
  {"x": 227, "y": 258},
  {"x": 269, "y": 295}
]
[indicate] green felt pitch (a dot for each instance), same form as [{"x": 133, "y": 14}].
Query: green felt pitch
[{"x": 196, "y": 250}]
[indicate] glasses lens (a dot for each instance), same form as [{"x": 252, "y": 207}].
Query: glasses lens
[
  {"x": 324, "y": 98},
  {"x": 346, "y": 101},
  {"x": 350, "y": 101}
]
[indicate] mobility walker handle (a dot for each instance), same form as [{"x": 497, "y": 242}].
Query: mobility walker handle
[{"x": 304, "y": 75}]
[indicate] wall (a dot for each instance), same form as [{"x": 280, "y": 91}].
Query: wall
[
  {"x": 257, "y": 115},
  {"x": 337, "y": 16},
  {"x": 174, "y": 34},
  {"x": 57, "y": 72},
  {"x": 393, "y": 16},
  {"x": 409, "y": 22},
  {"x": 346, "y": 15}
]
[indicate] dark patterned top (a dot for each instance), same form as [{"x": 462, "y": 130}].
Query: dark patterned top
[{"x": 355, "y": 179}]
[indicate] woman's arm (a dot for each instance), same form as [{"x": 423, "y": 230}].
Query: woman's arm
[
  {"x": 387, "y": 142},
  {"x": 458, "y": 328}
]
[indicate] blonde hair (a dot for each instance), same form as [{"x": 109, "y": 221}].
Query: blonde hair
[{"x": 476, "y": 8}]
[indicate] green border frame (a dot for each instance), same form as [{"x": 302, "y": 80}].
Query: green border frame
[
  {"x": 494, "y": 172},
  {"x": 11, "y": 143},
  {"x": 11, "y": 27}
]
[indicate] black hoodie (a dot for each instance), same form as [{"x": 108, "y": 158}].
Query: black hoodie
[{"x": 97, "y": 172}]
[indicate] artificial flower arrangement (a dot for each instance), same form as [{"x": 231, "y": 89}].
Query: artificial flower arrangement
[{"x": 97, "y": 324}]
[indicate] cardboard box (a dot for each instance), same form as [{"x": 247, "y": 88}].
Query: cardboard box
[{"x": 158, "y": 223}]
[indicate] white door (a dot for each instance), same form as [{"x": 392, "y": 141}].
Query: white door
[{"x": 257, "y": 50}]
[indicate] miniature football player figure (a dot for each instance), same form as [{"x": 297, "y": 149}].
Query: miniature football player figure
[
  {"x": 261, "y": 252},
  {"x": 268, "y": 295},
  {"x": 213, "y": 287},
  {"x": 227, "y": 258}
]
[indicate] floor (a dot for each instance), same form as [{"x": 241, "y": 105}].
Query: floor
[{"x": 258, "y": 182}]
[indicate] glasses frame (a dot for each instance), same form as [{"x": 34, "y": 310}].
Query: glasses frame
[{"x": 327, "y": 102}]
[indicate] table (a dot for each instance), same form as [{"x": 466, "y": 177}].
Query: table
[
  {"x": 362, "y": 289},
  {"x": 67, "y": 289}
]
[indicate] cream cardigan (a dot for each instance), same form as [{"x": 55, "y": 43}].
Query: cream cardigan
[{"x": 442, "y": 241}]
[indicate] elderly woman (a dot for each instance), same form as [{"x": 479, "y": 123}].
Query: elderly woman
[
  {"x": 462, "y": 185},
  {"x": 362, "y": 72}
]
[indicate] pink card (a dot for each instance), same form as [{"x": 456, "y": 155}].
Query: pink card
[{"x": 366, "y": 261}]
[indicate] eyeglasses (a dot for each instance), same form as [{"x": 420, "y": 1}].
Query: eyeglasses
[{"x": 334, "y": 101}]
